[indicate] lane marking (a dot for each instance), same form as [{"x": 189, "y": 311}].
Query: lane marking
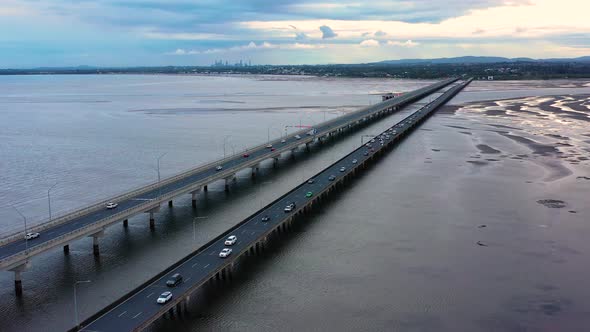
[
  {"x": 121, "y": 314},
  {"x": 152, "y": 293},
  {"x": 205, "y": 266},
  {"x": 187, "y": 279},
  {"x": 137, "y": 315},
  {"x": 194, "y": 265}
]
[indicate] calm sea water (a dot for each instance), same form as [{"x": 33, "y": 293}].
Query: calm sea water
[{"x": 398, "y": 250}]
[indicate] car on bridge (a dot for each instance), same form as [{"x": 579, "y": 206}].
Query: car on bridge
[
  {"x": 111, "y": 205},
  {"x": 342, "y": 169},
  {"x": 175, "y": 280},
  {"x": 219, "y": 168},
  {"x": 310, "y": 181},
  {"x": 225, "y": 252},
  {"x": 332, "y": 178},
  {"x": 231, "y": 240},
  {"x": 164, "y": 297},
  {"x": 283, "y": 141},
  {"x": 297, "y": 137},
  {"x": 269, "y": 146},
  {"x": 265, "y": 218},
  {"x": 290, "y": 207},
  {"x": 30, "y": 236},
  {"x": 245, "y": 155},
  {"x": 354, "y": 161},
  {"x": 309, "y": 194}
]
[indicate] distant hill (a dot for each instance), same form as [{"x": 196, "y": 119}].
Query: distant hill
[{"x": 477, "y": 60}]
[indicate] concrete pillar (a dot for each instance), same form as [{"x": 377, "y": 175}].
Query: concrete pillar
[
  {"x": 275, "y": 162},
  {"x": 194, "y": 199},
  {"x": 95, "y": 248},
  {"x": 18, "y": 283},
  {"x": 205, "y": 188},
  {"x": 170, "y": 203},
  {"x": 152, "y": 221},
  {"x": 67, "y": 249},
  {"x": 125, "y": 223},
  {"x": 307, "y": 147},
  {"x": 227, "y": 184}
]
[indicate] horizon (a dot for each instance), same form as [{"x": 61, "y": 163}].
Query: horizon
[{"x": 155, "y": 33}]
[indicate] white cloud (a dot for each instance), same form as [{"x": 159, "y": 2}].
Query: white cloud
[
  {"x": 407, "y": 43},
  {"x": 369, "y": 43}
]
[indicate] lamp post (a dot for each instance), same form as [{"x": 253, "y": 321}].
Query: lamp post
[
  {"x": 25, "y": 220},
  {"x": 49, "y": 199},
  {"x": 159, "y": 188},
  {"x": 76, "y": 300},
  {"x": 224, "y": 140}
]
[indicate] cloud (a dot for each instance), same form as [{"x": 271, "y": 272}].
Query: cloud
[
  {"x": 299, "y": 35},
  {"x": 380, "y": 33},
  {"x": 369, "y": 43},
  {"x": 407, "y": 43},
  {"x": 327, "y": 32},
  {"x": 251, "y": 46}
]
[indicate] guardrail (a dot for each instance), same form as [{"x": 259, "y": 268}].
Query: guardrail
[
  {"x": 165, "y": 308},
  {"x": 406, "y": 98}
]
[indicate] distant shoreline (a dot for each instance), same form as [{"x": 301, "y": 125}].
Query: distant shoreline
[{"x": 480, "y": 71}]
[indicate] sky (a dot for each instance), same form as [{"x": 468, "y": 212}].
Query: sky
[{"x": 54, "y": 33}]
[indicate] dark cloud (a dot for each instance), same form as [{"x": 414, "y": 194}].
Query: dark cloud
[
  {"x": 327, "y": 32},
  {"x": 380, "y": 34}
]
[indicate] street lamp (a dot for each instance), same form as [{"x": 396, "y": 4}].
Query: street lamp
[
  {"x": 76, "y": 301},
  {"x": 195, "y": 228},
  {"x": 224, "y": 139},
  {"x": 25, "y": 219},
  {"x": 49, "y": 199},
  {"x": 159, "y": 188}
]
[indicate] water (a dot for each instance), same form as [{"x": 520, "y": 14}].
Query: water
[{"x": 398, "y": 250}]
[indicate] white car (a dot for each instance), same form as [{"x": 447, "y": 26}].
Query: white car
[
  {"x": 354, "y": 161},
  {"x": 372, "y": 141},
  {"x": 30, "y": 236},
  {"x": 112, "y": 205},
  {"x": 290, "y": 207},
  {"x": 342, "y": 169},
  {"x": 225, "y": 252},
  {"x": 164, "y": 297},
  {"x": 297, "y": 137},
  {"x": 269, "y": 146},
  {"x": 231, "y": 240},
  {"x": 219, "y": 168},
  {"x": 283, "y": 141}
]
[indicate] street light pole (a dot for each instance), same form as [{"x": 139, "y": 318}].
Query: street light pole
[
  {"x": 159, "y": 188},
  {"x": 49, "y": 199},
  {"x": 25, "y": 219},
  {"x": 224, "y": 140},
  {"x": 76, "y": 300}
]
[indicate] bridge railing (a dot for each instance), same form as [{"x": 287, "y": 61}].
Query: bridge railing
[{"x": 66, "y": 216}]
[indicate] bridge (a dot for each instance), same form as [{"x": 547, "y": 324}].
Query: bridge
[
  {"x": 91, "y": 221},
  {"x": 138, "y": 309}
]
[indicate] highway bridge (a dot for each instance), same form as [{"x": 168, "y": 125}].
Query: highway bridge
[
  {"x": 91, "y": 221},
  {"x": 138, "y": 309}
]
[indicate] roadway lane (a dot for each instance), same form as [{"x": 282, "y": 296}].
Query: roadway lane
[
  {"x": 141, "y": 307},
  {"x": 17, "y": 247}
]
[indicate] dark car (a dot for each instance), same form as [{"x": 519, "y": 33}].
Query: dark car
[
  {"x": 174, "y": 281},
  {"x": 366, "y": 153},
  {"x": 265, "y": 218},
  {"x": 332, "y": 178}
]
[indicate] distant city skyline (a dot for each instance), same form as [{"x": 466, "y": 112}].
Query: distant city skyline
[{"x": 182, "y": 32}]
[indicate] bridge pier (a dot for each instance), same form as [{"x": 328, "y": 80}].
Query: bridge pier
[
  {"x": 95, "y": 248},
  {"x": 307, "y": 147},
  {"x": 67, "y": 249},
  {"x": 205, "y": 188},
  {"x": 170, "y": 203},
  {"x": 275, "y": 162},
  {"x": 194, "y": 199},
  {"x": 125, "y": 223},
  {"x": 152, "y": 220},
  {"x": 18, "y": 283}
]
